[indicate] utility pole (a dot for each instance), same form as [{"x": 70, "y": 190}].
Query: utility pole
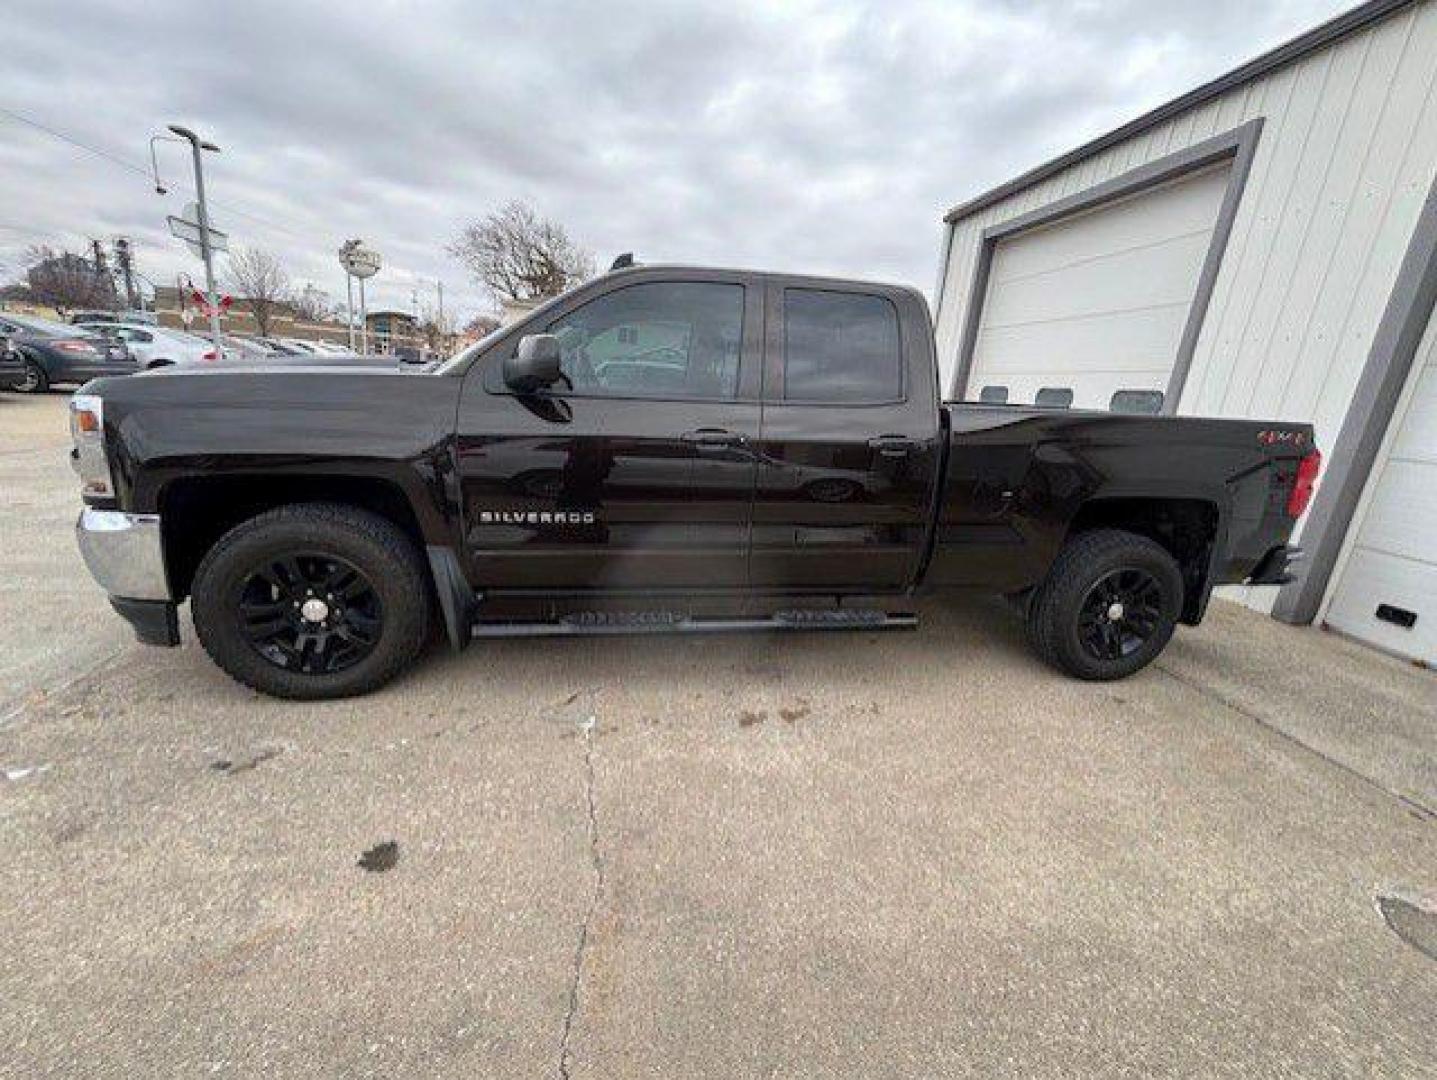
[
  {"x": 439, "y": 318},
  {"x": 127, "y": 271},
  {"x": 102, "y": 272},
  {"x": 206, "y": 250}
]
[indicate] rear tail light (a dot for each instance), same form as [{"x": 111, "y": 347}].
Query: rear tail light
[
  {"x": 76, "y": 347},
  {"x": 1303, "y": 483},
  {"x": 211, "y": 355}
]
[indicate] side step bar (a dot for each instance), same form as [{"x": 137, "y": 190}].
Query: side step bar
[{"x": 677, "y": 622}]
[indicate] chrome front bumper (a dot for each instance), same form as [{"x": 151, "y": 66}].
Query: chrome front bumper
[{"x": 124, "y": 552}]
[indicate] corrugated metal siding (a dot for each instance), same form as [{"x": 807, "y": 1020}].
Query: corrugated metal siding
[
  {"x": 1391, "y": 557},
  {"x": 1347, "y": 155}
]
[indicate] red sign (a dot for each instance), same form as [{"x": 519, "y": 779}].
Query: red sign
[{"x": 211, "y": 309}]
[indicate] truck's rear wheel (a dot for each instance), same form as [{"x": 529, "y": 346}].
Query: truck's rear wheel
[
  {"x": 1108, "y": 607},
  {"x": 313, "y": 600}
]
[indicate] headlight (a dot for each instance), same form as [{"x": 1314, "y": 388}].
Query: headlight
[{"x": 87, "y": 428}]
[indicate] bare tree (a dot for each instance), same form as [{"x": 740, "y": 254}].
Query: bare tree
[
  {"x": 312, "y": 304},
  {"x": 435, "y": 335},
  {"x": 260, "y": 283},
  {"x": 481, "y": 326},
  {"x": 67, "y": 281},
  {"x": 521, "y": 256}
]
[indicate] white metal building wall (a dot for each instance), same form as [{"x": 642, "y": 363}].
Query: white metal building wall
[
  {"x": 1391, "y": 556},
  {"x": 1346, "y": 157}
]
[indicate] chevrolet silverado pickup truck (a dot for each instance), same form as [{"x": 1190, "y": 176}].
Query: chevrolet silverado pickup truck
[{"x": 660, "y": 449}]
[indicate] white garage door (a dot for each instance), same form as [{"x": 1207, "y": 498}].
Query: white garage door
[
  {"x": 1095, "y": 303},
  {"x": 1390, "y": 576}
]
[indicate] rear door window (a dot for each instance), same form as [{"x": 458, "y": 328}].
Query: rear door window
[{"x": 840, "y": 348}]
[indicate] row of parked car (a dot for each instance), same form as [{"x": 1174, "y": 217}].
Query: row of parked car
[{"x": 36, "y": 353}]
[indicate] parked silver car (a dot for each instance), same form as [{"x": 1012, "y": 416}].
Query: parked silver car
[{"x": 157, "y": 346}]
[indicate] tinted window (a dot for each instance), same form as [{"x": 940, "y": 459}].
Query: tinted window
[
  {"x": 993, "y": 395},
  {"x": 840, "y": 347},
  {"x": 1058, "y": 397},
  {"x": 665, "y": 339},
  {"x": 1137, "y": 401}
]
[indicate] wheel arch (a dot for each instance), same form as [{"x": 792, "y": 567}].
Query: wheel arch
[
  {"x": 46, "y": 361},
  {"x": 1187, "y": 528},
  {"x": 196, "y": 511}
]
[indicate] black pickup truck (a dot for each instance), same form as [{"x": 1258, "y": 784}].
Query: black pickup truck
[{"x": 661, "y": 449}]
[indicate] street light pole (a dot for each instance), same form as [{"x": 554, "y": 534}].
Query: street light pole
[{"x": 206, "y": 252}]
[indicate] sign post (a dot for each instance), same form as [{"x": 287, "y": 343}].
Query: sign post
[
  {"x": 359, "y": 262},
  {"x": 206, "y": 236}
]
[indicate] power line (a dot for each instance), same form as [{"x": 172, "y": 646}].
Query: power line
[
  {"x": 113, "y": 158},
  {"x": 140, "y": 170},
  {"x": 298, "y": 231}
]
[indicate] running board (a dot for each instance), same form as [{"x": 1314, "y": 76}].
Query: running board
[{"x": 676, "y": 622}]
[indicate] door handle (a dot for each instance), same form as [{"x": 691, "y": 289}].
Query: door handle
[
  {"x": 893, "y": 446},
  {"x": 712, "y": 437}
]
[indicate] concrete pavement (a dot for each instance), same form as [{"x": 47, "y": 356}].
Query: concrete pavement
[{"x": 803, "y": 855}]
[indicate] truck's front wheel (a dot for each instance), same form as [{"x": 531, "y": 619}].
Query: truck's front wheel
[
  {"x": 1108, "y": 607},
  {"x": 312, "y": 600}
]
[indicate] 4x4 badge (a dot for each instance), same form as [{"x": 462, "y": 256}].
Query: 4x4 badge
[{"x": 1273, "y": 435}]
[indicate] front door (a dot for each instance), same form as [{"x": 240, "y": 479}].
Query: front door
[
  {"x": 636, "y": 471},
  {"x": 849, "y": 446}
]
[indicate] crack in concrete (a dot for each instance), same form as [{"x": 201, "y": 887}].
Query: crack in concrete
[
  {"x": 21, "y": 703},
  {"x": 596, "y": 862},
  {"x": 1413, "y": 806}
]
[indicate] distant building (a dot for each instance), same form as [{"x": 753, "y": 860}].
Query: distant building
[{"x": 391, "y": 329}]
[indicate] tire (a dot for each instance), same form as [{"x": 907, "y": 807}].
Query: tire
[
  {"x": 159, "y": 364},
  {"x": 250, "y": 585},
  {"x": 1108, "y": 607},
  {"x": 36, "y": 380}
]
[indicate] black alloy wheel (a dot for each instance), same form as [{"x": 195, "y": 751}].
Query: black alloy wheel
[
  {"x": 310, "y": 612},
  {"x": 1120, "y": 614},
  {"x": 1108, "y": 607},
  {"x": 313, "y": 601}
]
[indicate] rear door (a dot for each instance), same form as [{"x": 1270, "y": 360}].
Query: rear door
[
  {"x": 848, "y": 450},
  {"x": 636, "y": 472}
]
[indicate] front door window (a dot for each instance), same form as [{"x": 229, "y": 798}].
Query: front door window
[{"x": 670, "y": 340}]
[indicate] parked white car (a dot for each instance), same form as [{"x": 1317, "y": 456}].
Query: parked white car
[
  {"x": 316, "y": 347},
  {"x": 156, "y": 346}
]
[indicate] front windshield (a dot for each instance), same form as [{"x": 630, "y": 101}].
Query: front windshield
[{"x": 457, "y": 363}]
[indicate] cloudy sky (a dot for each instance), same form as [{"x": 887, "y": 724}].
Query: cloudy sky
[{"x": 827, "y": 137}]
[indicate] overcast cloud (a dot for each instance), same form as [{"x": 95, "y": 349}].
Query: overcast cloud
[{"x": 820, "y": 137}]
